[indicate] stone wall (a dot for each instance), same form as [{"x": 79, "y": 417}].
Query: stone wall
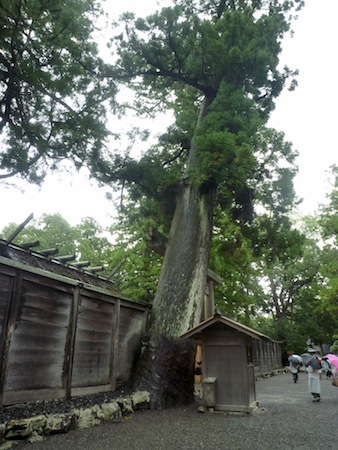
[{"x": 36, "y": 428}]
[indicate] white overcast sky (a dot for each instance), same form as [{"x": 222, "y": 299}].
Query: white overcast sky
[{"x": 307, "y": 116}]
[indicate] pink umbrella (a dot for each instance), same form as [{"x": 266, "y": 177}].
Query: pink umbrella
[{"x": 333, "y": 359}]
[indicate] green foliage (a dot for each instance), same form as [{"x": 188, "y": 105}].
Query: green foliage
[
  {"x": 93, "y": 245},
  {"x": 137, "y": 267},
  {"x": 328, "y": 219},
  {"x": 178, "y": 56},
  {"x": 334, "y": 348},
  {"x": 286, "y": 332},
  {"x": 51, "y": 99},
  {"x": 223, "y": 141},
  {"x": 232, "y": 259},
  {"x": 52, "y": 231},
  {"x": 215, "y": 65},
  {"x": 86, "y": 241},
  {"x": 328, "y": 222}
]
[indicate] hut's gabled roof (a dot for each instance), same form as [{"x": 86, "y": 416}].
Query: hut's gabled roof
[{"x": 217, "y": 321}]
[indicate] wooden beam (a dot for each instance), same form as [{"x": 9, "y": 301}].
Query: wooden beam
[
  {"x": 20, "y": 228},
  {"x": 96, "y": 269},
  {"x": 65, "y": 258},
  {"x": 158, "y": 242},
  {"x": 80, "y": 264},
  {"x": 49, "y": 252},
  {"x": 28, "y": 245}
]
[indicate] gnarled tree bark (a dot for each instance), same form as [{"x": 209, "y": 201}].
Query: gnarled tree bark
[{"x": 166, "y": 364}]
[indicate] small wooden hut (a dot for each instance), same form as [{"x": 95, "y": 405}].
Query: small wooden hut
[{"x": 228, "y": 378}]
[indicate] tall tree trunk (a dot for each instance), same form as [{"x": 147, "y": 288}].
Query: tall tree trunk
[
  {"x": 166, "y": 365},
  {"x": 179, "y": 296}
]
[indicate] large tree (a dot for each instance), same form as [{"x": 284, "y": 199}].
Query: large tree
[{"x": 216, "y": 65}]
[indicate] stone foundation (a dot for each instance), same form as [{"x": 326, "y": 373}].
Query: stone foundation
[{"x": 35, "y": 428}]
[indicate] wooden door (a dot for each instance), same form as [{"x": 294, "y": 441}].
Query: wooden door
[{"x": 227, "y": 363}]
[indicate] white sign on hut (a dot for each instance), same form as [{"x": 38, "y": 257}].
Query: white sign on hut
[{"x": 227, "y": 367}]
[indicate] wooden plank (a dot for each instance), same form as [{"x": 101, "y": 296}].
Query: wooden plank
[
  {"x": 92, "y": 353},
  {"x": 37, "y": 350},
  {"x": 53, "y": 283},
  {"x": 114, "y": 346},
  {"x": 6, "y": 290},
  {"x": 80, "y": 264},
  {"x": 227, "y": 363},
  {"x": 65, "y": 258},
  {"x": 14, "y": 397},
  {"x": 70, "y": 344},
  {"x": 28, "y": 245},
  {"x": 44, "y": 373},
  {"x": 49, "y": 252},
  {"x": 88, "y": 390},
  {"x": 6, "y": 287},
  {"x": 8, "y": 334},
  {"x": 42, "y": 329},
  {"x": 44, "y": 275},
  {"x": 7, "y": 270}
]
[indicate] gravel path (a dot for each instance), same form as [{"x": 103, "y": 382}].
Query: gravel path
[{"x": 287, "y": 419}]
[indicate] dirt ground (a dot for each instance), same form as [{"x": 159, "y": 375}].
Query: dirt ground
[{"x": 286, "y": 419}]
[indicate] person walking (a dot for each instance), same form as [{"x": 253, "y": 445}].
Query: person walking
[
  {"x": 294, "y": 369},
  {"x": 326, "y": 367},
  {"x": 313, "y": 368}
]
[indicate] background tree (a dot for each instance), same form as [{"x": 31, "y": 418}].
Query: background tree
[
  {"x": 51, "y": 101},
  {"x": 328, "y": 222},
  {"x": 86, "y": 241},
  {"x": 137, "y": 267},
  {"x": 51, "y": 230}
]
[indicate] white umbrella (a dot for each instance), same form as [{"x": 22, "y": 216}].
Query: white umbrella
[{"x": 295, "y": 359}]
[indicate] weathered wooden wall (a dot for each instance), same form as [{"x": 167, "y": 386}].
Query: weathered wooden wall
[
  {"x": 267, "y": 356},
  {"x": 61, "y": 337}
]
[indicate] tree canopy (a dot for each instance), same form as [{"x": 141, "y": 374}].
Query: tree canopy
[{"x": 52, "y": 103}]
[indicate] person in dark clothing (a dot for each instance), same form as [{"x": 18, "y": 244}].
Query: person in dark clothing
[{"x": 294, "y": 364}]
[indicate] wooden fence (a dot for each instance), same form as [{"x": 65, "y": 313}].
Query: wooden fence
[
  {"x": 65, "y": 332},
  {"x": 62, "y": 336},
  {"x": 267, "y": 355}
]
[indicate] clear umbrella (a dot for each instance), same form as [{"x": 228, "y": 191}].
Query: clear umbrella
[{"x": 295, "y": 359}]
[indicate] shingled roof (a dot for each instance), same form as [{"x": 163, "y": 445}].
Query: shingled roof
[{"x": 20, "y": 257}]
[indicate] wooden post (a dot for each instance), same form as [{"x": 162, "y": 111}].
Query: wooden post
[
  {"x": 9, "y": 327},
  {"x": 69, "y": 349},
  {"x": 114, "y": 345}
]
